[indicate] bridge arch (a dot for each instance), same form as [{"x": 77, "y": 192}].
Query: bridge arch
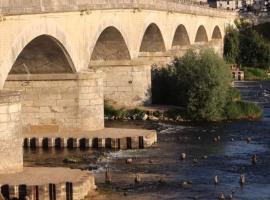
[
  {"x": 181, "y": 37},
  {"x": 20, "y": 41},
  {"x": 201, "y": 35},
  {"x": 110, "y": 45},
  {"x": 216, "y": 33},
  {"x": 43, "y": 55},
  {"x": 104, "y": 24},
  {"x": 152, "y": 40}
]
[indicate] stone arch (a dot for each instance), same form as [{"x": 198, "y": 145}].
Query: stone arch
[
  {"x": 105, "y": 23},
  {"x": 43, "y": 55},
  {"x": 46, "y": 27},
  {"x": 152, "y": 40},
  {"x": 110, "y": 45},
  {"x": 201, "y": 35},
  {"x": 181, "y": 37},
  {"x": 216, "y": 33}
]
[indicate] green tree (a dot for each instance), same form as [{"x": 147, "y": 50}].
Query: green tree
[
  {"x": 198, "y": 82},
  {"x": 231, "y": 45},
  {"x": 254, "y": 50}
]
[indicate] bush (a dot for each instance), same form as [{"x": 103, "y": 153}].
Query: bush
[
  {"x": 233, "y": 95},
  {"x": 198, "y": 82},
  {"x": 255, "y": 73},
  {"x": 242, "y": 110}
]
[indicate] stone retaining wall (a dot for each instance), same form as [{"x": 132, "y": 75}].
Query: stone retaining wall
[
  {"x": 52, "y": 103},
  {"x": 10, "y": 130}
]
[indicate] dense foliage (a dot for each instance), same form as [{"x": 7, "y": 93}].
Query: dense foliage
[
  {"x": 231, "y": 45},
  {"x": 198, "y": 82},
  {"x": 245, "y": 46},
  {"x": 264, "y": 30}
]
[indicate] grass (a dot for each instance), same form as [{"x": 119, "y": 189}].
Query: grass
[{"x": 255, "y": 73}]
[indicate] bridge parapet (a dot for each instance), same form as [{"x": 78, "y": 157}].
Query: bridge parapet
[{"x": 14, "y": 7}]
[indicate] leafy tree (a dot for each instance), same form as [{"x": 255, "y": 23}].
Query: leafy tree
[
  {"x": 198, "y": 81},
  {"x": 231, "y": 45},
  {"x": 245, "y": 46},
  {"x": 254, "y": 50}
]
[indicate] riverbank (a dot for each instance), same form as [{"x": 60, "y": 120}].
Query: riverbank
[{"x": 236, "y": 109}]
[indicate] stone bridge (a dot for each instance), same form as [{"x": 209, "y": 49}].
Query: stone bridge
[{"x": 66, "y": 55}]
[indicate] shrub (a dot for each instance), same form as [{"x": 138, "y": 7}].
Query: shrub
[
  {"x": 233, "y": 95},
  {"x": 198, "y": 82},
  {"x": 242, "y": 110}
]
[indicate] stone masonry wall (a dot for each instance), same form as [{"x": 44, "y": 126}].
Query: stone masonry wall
[
  {"x": 61, "y": 105},
  {"x": 128, "y": 85},
  {"x": 10, "y": 130}
]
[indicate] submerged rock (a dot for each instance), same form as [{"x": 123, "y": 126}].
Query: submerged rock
[
  {"x": 186, "y": 184},
  {"x": 248, "y": 139},
  {"x": 254, "y": 159}
]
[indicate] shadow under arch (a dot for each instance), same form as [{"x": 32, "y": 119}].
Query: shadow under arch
[
  {"x": 181, "y": 37},
  {"x": 110, "y": 46},
  {"x": 43, "y": 55},
  {"x": 201, "y": 35},
  {"x": 216, "y": 33},
  {"x": 152, "y": 40}
]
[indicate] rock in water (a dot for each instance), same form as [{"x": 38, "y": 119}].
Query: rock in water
[
  {"x": 145, "y": 117},
  {"x": 242, "y": 180},
  {"x": 108, "y": 177},
  {"x": 216, "y": 180},
  {"x": 221, "y": 196},
  {"x": 254, "y": 159},
  {"x": 137, "y": 179},
  {"x": 183, "y": 156},
  {"x": 129, "y": 161},
  {"x": 162, "y": 180},
  {"x": 248, "y": 139},
  {"x": 70, "y": 160}
]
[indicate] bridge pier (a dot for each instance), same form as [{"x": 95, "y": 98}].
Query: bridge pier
[
  {"x": 126, "y": 83},
  {"x": 10, "y": 130},
  {"x": 60, "y": 102}
]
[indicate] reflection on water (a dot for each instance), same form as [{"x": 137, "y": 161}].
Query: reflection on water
[{"x": 227, "y": 158}]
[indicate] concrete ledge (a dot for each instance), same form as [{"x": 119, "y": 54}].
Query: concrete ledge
[
  {"x": 41, "y": 77},
  {"x": 44, "y": 182},
  {"x": 112, "y": 138}
]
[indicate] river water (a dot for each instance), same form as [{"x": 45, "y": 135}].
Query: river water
[{"x": 227, "y": 158}]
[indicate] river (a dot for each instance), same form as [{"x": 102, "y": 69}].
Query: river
[{"x": 228, "y": 158}]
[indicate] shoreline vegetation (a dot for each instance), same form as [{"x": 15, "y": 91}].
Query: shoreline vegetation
[
  {"x": 195, "y": 88},
  {"x": 248, "y": 46}
]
